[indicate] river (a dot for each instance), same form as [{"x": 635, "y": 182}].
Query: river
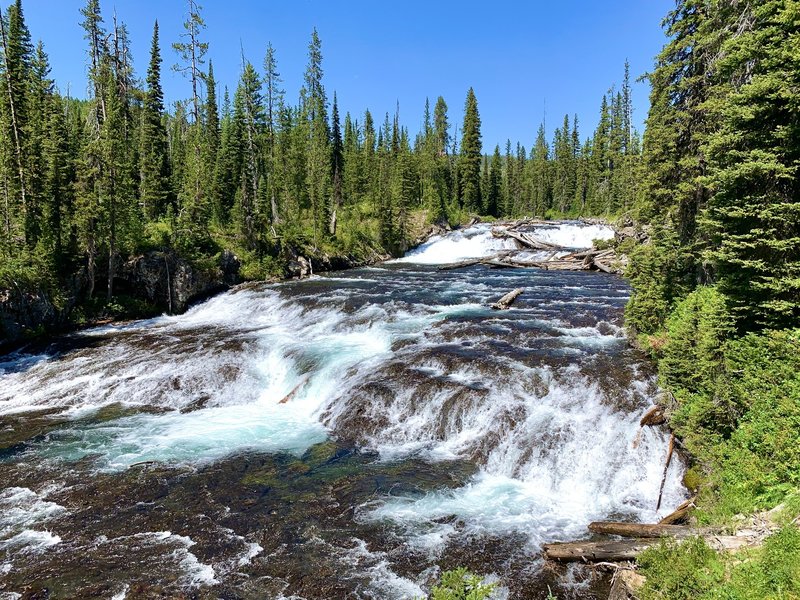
[{"x": 344, "y": 436}]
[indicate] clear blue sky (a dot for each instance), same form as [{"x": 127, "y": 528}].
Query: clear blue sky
[{"x": 518, "y": 55}]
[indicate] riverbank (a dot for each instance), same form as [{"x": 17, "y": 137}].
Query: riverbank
[
  {"x": 732, "y": 401},
  {"x": 162, "y": 281},
  {"x": 403, "y": 446}
]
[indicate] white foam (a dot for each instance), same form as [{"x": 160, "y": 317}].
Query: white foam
[
  {"x": 572, "y": 234},
  {"x": 545, "y": 476},
  {"x": 462, "y": 244},
  {"x": 251, "y": 551},
  {"x": 384, "y": 583},
  {"x": 22, "y": 513},
  {"x": 195, "y": 573},
  {"x": 30, "y": 541},
  {"x": 121, "y": 594}
]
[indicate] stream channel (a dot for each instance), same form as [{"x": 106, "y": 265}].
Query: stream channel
[{"x": 350, "y": 435}]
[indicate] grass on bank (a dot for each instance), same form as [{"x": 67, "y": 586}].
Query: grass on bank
[{"x": 737, "y": 411}]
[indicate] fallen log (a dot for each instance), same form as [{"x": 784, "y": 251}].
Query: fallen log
[
  {"x": 460, "y": 265},
  {"x": 627, "y": 550},
  {"x": 469, "y": 262},
  {"x": 666, "y": 468},
  {"x": 497, "y": 263},
  {"x": 654, "y": 416},
  {"x": 645, "y": 530},
  {"x": 523, "y": 238},
  {"x": 555, "y": 265},
  {"x": 598, "y": 551},
  {"x": 603, "y": 267},
  {"x": 296, "y": 389},
  {"x": 680, "y": 513},
  {"x": 506, "y": 301}
]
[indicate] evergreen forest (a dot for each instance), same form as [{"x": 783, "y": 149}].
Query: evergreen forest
[
  {"x": 238, "y": 166},
  {"x": 89, "y": 183}
]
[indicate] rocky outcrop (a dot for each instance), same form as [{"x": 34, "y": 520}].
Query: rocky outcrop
[
  {"x": 171, "y": 282},
  {"x": 23, "y": 313}
]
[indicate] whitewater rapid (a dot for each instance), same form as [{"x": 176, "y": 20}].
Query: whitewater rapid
[
  {"x": 400, "y": 360},
  {"x": 478, "y": 242}
]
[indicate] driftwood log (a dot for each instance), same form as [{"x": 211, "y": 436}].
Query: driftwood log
[
  {"x": 524, "y": 239},
  {"x": 296, "y": 389},
  {"x": 645, "y": 530},
  {"x": 627, "y": 550},
  {"x": 598, "y": 551},
  {"x": 670, "y": 451},
  {"x": 654, "y": 416},
  {"x": 506, "y": 301},
  {"x": 680, "y": 513}
]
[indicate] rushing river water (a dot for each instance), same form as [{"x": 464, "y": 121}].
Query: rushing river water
[{"x": 345, "y": 436}]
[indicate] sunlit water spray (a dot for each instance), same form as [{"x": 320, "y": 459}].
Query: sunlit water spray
[{"x": 402, "y": 360}]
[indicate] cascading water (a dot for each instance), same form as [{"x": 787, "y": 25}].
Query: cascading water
[{"x": 382, "y": 423}]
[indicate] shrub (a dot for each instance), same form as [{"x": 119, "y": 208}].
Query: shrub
[
  {"x": 460, "y": 584},
  {"x": 696, "y": 332},
  {"x": 692, "y": 570},
  {"x": 680, "y": 571}
]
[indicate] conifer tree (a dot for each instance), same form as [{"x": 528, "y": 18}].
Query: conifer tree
[
  {"x": 337, "y": 164},
  {"x": 314, "y": 109},
  {"x": 470, "y": 160},
  {"x": 249, "y": 108},
  {"x": 195, "y": 206},
  {"x": 212, "y": 126},
  {"x": 273, "y": 96},
  {"x": 494, "y": 194},
  {"x": 17, "y": 57},
  {"x": 753, "y": 214},
  {"x": 154, "y": 166}
]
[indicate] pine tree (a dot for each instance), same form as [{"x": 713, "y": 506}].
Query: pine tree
[
  {"x": 753, "y": 215},
  {"x": 337, "y": 164},
  {"x": 212, "y": 126},
  {"x": 250, "y": 107},
  {"x": 192, "y": 53},
  {"x": 539, "y": 178},
  {"x": 314, "y": 108},
  {"x": 154, "y": 166},
  {"x": 494, "y": 195},
  {"x": 470, "y": 160},
  {"x": 17, "y": 57},
  {"x": 195, "y": 206},
  {"x": 274, "y": 95}
]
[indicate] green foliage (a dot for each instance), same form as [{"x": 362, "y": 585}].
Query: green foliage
[
  {"x": 656, "y": 276},
  {"x": 754, "y": 155},
  {"x": 738, "y": 414},
  {"x": 470, "y": 161},
  {"x": 460, "y": 584},
  {"x": 692, "y": 571},
  {"x": 680, "y": 571},
  {"x": 696, "y": 332}
]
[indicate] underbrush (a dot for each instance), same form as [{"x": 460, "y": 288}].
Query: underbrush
[
  {"x": 693, "y": 571},
  {"x": 737, "y": 411}
]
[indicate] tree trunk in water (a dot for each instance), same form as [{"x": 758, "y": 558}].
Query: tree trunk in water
[{"x": 506, "y": 301}]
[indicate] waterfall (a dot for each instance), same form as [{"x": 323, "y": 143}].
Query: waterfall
[{"x": 399, "y": 360}]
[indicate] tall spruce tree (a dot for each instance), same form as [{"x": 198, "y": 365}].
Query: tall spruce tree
[
  {"x": 470, "y": 160},
  {"x": 154, "y": 166},
  {"x": 314, "y": 109}
]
